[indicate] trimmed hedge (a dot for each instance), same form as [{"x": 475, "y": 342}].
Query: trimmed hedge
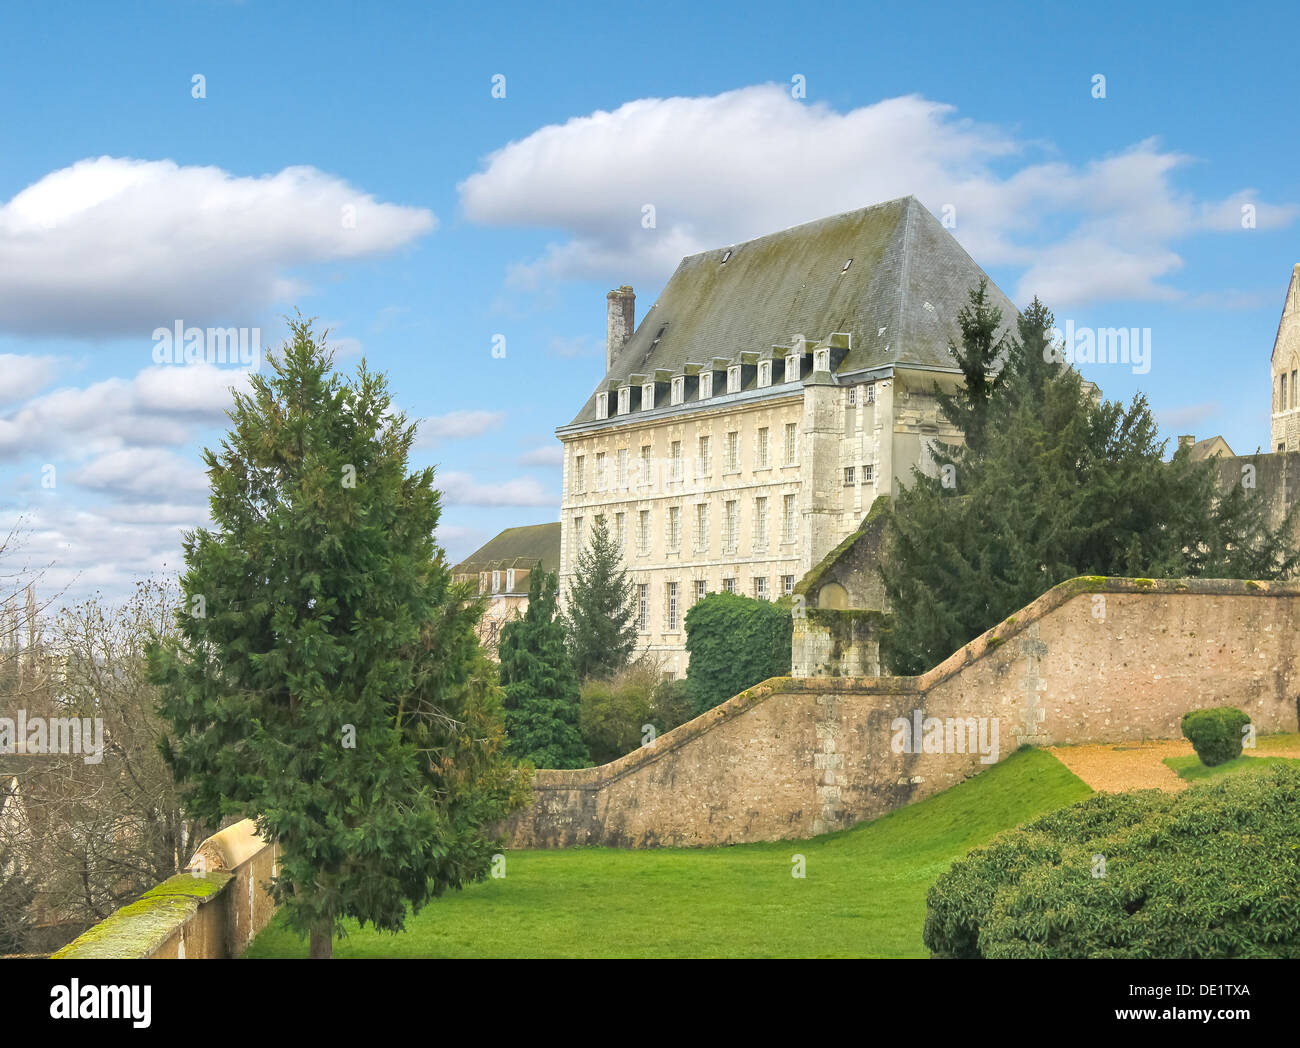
[
  {"x": 1210, "y": 872},
  {"x": 1215, "y": 734},
  {"x": 734, "y": 643}
]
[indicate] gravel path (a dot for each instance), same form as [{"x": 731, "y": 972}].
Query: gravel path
[{"x": 1140, "y": 765}]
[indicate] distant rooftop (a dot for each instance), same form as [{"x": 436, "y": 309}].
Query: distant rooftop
[
  {"x": 899, "y": 299},
  {"x": 519, "y": 547}
]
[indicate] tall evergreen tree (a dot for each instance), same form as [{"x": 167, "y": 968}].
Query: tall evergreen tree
[
  {"x": 541, "y": 688},
  {"x": 601, "y": 608},
  {"x": 980, "y": 355},
  {"x": 326, "y": 678},
  {"x": 1062, "y": 485}
]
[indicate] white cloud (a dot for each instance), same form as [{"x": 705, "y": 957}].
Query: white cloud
[
  {"x": 121, "y": 246},
  {"x": 457, "y": 425},
  {"x": 24, "y": 375},
  {"x": 547, "y": 455},
  {"x": 143, "y": 472},
  {"x": 460, "y": 489},
  {"x": 732, "y": 166}
]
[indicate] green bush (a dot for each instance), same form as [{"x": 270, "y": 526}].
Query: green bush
[
  {"x": 1213, "y": 872},
  {"x": 1215, "y": 734},
  {"x": 734, "y": 643},
  {"x": 614, "y": 712}
]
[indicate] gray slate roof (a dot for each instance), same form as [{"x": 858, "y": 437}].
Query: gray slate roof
[{"x": 899, "y": 299}]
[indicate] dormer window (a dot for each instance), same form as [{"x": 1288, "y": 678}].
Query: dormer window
[
  {"x": 733, "y": 378},
  {"x": 624, "y": 400},
  {"x": 765, "y": 373},
  {"x": 821, "y": 360},
  {"x": 496, "y": 581},
  {"x": 792, "y": 367},
  {"x": 510, "y": 580},
  {"x": 602, "y": 405},
  {"x": 679, "y": 390},
  {"x": 648, "y": 396},
  {"x": 726, "y": 257},
  {"x": 706, "y": 385}
]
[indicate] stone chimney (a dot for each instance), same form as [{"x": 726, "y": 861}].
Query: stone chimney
[
  {"x": 620, "y": 322},
  {"x": 1186, "y": 441}
]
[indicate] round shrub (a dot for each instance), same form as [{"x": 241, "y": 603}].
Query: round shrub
[
  {"x": 1213, "y": 872},
  {"x": 1215, "y": 734}
]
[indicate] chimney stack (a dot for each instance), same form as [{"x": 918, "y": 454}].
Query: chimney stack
[{"x": 620, "y": 322}]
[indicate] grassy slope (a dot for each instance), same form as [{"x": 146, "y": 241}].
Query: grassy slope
[
  {"x": 863, "y": 895},
  {"x": 1191, "y": 768}
]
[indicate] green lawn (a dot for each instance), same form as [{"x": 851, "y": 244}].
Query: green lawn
[
  {"x": 863, "y": 894},
  {"x": 1191, "y": 768}
]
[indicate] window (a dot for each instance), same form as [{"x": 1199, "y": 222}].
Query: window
[
  {"x": 701, "y": 589},
  {"x": 674, "y": 527},
  {"x": 622, "y": 467},
  {"x": 643, "y": 534},
  {"x": 646, "y": 471},
  {"x": 868, "y": 472},
  {"x": 791, "y": 430},
  {"x": 1282, "y": 399},
  {"x": 496, "y": 581},
  {"x": 678, "y": 391},
  {"x": 761, "y": 449},
  {"x": 624, "y": 400},
  {"x": 648, "y": 397},
  {"x": 602, "y": 405},
  {"x": 578, "y": 482},
  {"x": 600, "y": 471},
  {"x": 853, "y": 396},
  {"x": 675, "y": 458},
  {"x": 1293, "y": 389},
  {"x": 704, "y": 459},
  {"x": 702, "y": 527},
  {"x": 871, "y": 393},
  {"x": 760, "y": 522},
  {"x": 733, "y": 452},
  {"x": 792, "y": 368},
  {"x": 620, "y": 530},
  {"x": 671, "y": 610},
  {"x": 577, "y": 533},
  {"x": 765, "y": 373},
  {"x": 731, "y": 527},
  {"x": 787, "y": 518},
  {"x": 848, "y": 477},
  {"x": 821, "y": 360},
  {"x": 706, "y": 385},
  {"x": 733, "y": 378},
  {"x": 728, "y": 585},
  {"x": 510, "y": 580},
  {"x": 760, "y": 588},
  {"x": 787, "y": 585},
  {"x": 643, "y": 607}
]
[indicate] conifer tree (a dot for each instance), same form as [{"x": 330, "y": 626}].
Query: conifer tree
[
  {"x": 1060, "y": 485},
  {"x": 541, "y": 689},
  {"x": 601, "y": 608},
  {"x": 326, "y": 680}
]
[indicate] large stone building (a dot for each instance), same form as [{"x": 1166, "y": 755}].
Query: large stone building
[
  {"x": 771, "y": 394},
  {"x": 1285, "y": 366}
]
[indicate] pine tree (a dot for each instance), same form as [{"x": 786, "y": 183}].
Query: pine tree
[
  {"x": 541, "y": 688},
  {"x": 1061, "y": 485},
  {"x": 601, "y": 608},
  {"x": 980, "y": 357},
  {"x": 326, "y": 680}
]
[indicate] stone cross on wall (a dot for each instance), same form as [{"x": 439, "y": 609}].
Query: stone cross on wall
[{"x": 1032, "y": 684}]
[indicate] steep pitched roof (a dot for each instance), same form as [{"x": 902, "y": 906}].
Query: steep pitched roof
[
  {"x": 1289, "y": 306},
  {"x": 516, "y": 548},
  {"x": 899, "y": 298}
]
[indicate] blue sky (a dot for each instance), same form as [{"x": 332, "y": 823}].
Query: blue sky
[{"x": 127, "y": 204}]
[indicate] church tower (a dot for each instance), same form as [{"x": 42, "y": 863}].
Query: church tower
[{"x": 1284, "y": 434}]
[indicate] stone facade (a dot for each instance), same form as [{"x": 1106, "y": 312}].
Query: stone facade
[
  {"x": 1284, "y": 433},
  {"x": 1092, "y": 660}
]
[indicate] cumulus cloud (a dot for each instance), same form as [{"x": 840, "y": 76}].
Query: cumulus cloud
[
  {"x": 546, "y": 455},
  {"x": 725, "y": 168},
  {"x": 25, "y": 374},
  {"x": 461, "y": 489},
  {"x": 143, "y": 472},
  {"x": 115, "y": 246},
  {"x": 457, "y": 425}
]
